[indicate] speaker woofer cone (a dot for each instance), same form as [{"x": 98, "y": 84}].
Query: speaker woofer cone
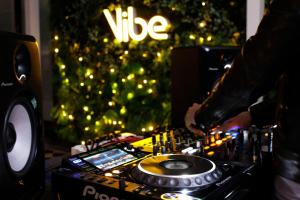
[
  {"x": 11, "y": 137},
  {"x": 20, "y": 137}
]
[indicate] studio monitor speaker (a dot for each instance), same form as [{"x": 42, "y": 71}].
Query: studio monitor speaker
[
  {"x": 21, "y": 124},
  {"x": 194, "y": 72}
]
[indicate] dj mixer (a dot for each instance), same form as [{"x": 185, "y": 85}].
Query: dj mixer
[{"x": 171, "y": 164}]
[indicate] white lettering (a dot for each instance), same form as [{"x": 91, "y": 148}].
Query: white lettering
[
  {"x": 125, "y": 25},
  {"x": 6, "y": 84},
  {"x": 116, "y": 27},
  {"x": 103, "y": 197},
  {"x": 158, "y": 31},
  {"x": 90, "y": 190}
]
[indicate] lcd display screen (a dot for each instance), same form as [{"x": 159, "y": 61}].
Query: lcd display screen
[{"x": 109, "y": 159}]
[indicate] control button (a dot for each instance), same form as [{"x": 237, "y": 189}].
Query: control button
[
  {"x": 116, "y": 171},
  {"x": 151, "y": 179},
  {"x": 187, "y": 182},
  {"x": 226, "y": 167},
  {"x": 150, "y": 193},
  {"x": 137, "y": 190},
  {"x": 198, "y": 180},
  {"x": 90, "y": 178},
  {"x": 101, "y": 180},
  {"x": 108, "y": 174},
  {"x": 84, "y": 166},
  {"x": 110, "y": 182},
  {"x": 173, "y": 182},
  {"x": 162, "y": 181},
  {"x": 122, "y": 184},
  {"x": 171, "y": 196},
  {"x": 89, "y": 169},
  {"x": 219, "y": 172},
  {"x": 208, "y": 178},
  {"x": 82, "y": 176},
  {"x": 215, "y": 175}
]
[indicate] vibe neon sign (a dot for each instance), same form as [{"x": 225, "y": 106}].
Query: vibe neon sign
[{"x": 125, "y": 25}]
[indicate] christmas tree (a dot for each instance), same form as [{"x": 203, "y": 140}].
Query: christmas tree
[{"x": 103, "y": 85}]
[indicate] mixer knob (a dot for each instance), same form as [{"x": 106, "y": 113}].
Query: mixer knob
[
  {"x": 208, "y": 178},
  {"x": 173, "y": 182},
  {"x": 161, "y": 181},
  {"x": 198, "y": 180},
  {"x": 122, "y": 184},
  {"x": 153, "y": 140},
  {"x": 187, "y": 182}
]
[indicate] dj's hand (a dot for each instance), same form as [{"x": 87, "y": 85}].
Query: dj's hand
[
  {"x": 242, "y": 120},
  {"x": 189, "y": 119}
]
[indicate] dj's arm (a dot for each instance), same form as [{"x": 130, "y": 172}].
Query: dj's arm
[
  {"x": 254, "y": 71},
  {"x": 260, "y": 114}
]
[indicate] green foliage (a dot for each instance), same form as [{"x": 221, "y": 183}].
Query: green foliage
[{"x": 102, "y": 85}]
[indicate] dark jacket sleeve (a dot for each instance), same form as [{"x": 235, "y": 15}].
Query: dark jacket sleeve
[
  {"x": 254, "y": 70},
  {"x": 263, "y": 112}
]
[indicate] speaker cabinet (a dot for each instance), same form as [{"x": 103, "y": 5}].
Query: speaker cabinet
[
  {"x": 21, "y": 123},
  {"x": 194, "y": 72}
]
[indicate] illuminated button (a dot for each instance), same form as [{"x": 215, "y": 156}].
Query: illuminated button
[
  {"x": 168, "y": 196},
  {"x": 206, "y": 147},
  {"x": 219, "y": 142},
  {"x": 198, "y": 180},
  {"x": 192, "y": 151},
  {"x": 211, "y": 153},
  {"x": 213, "y": 145},
  {"x": 212, "y": 138},
  {"x": 108, "y": 174},
  {"x": 149, "y": 193},
  {"x": 116, "y": 171},
  {"x": 137, "y": 190},
  {"x": 187, "y": 150},
  {"x": 76, "y": 161}
]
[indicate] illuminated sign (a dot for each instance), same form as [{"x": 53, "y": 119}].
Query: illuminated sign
[{"x": 125, "y": 25}]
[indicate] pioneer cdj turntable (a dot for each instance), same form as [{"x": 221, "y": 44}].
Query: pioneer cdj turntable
[{"x": 126, "y": 172}]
